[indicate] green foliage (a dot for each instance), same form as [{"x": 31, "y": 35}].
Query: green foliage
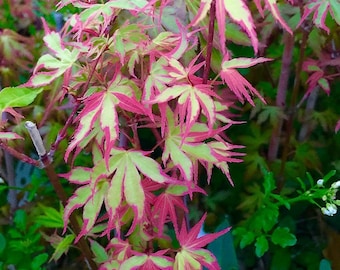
[
  {"x": 19, "y": 97},
  {"x": 265, "y": 226},
  {"x": 21, "y": 244}
]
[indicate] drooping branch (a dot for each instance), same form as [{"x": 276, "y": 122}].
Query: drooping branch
[{"x": 18, "y": 155}]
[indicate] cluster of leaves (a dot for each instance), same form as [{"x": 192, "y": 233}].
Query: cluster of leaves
[
  {"x": 122, "y": 67},
  {"x": 264, "y": 206},
  {"x": 21, "y": 244}
]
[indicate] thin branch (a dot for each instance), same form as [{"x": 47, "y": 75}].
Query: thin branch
[
  {"x": 58, "y": 188},
  {"x": 62, "y": 133},
  {"x": 281, "y": 94},
  {"x": 293, "y": 102},
  {"x": 306, "y": 126},
  {"x": 19, "y": 156}
]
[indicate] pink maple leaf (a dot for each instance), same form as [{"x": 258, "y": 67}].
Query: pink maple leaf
[
  {"x": 192, "y": 255},
  {"x": 166, "y": 202},
  {"x": 272, "y": 5},
  {"x": 236, "y": 82},
  {"x": 164, "y": 206},
  {"x": 237, "y": 10},
  {"x": 317, "y": 76},
  {"x": 320, "y": 9}
]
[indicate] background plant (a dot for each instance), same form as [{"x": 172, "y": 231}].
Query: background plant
[{"x": 147, "y": 91}]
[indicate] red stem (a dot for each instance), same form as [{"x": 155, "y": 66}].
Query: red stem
[
  {"x": 210, "y": 41},
  {"x": 62, "y": 133},
  {"x": 19, "y": 155},
  {"x": 59, "y": 190},
  {"x": 281, "y": 94},
  {"x": 293, "y": 102}
]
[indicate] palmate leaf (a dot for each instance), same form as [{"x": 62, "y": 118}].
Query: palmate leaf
[
  {"x": 126, "y": 180},
  {"x": 236, "y": 83},
  {"x": 120, "y": 180},
  {"x": 164, "y": 206},
  {"x": 191, "y": 100},
  {"x": 99, "y": 115},
  {"x": 15, "y": 49},
  {"x": 192, "y": 255},
  {"x": 90, "y": 197},
  {"x": 186, "y": 152},
  {"x": 99, "y": 16},
  {"x": 48, "y": 67},
  {"x": 173, "y": 150},
  {"x": 320, "y": 9}
]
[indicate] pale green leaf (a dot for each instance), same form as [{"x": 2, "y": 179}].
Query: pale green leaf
[
  {"x": 62, "y": 247},
  {"x": 243, "y": 62},
  {"x": 79, "y": 175},
  {"x": 127, "y": 4},
  {"x": 199, "y": 151},
  {"x": 114, "y": 193},
  {"x": 94, "y": 204},
  {"x": 99, "y": 252},
  {"x": 335, "y": 5},
  {"x": 9, "y": 136},
  {"x": 109, "y": 119},
  {"x": 161, "y": 262},
  {"x": 178, "y": 157},
  {"x": 133, "y": 190},
  {"x": 80, "y": 197},
  {"x": 53, "y": 41},
  {"x": 134, "y": 262},
  {"x": 171, "y": 93},
  {"x": 185, "y": 260},
  {"x": 17, "y": 96},
  {"x": 148, "y": 167},
  {"x": 41, "y": 79}
]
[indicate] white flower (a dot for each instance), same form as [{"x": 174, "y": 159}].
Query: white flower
[
  {"x": 329, "y": 210},
  {"x": 336, "y": 184},
  {"x": 325, "y": 211},
  {"x": 320, "y": 182},
  {"x": 324, "y": 198}
]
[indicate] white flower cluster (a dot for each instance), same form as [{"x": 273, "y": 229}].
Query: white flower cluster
[{"x": 330, "y": 198}]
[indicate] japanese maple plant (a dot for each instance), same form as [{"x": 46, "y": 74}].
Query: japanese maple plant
[{"x": 134, "y": 65}]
